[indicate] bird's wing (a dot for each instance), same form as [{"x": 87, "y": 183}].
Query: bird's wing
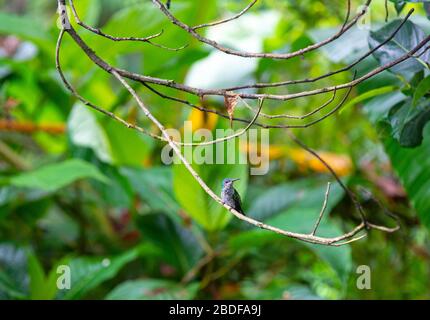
[{"x": 238, "y": 201}]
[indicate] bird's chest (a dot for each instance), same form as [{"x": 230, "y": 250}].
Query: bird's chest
[{"x": 227, "y": 194}]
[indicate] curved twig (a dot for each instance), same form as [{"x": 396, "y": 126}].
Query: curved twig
[
  {"x": 328, "y": 74},
  {"x": 86, "y": 102},
  {"x": 221, "y": 92},
  {"x": 211, "y": 24},
  {"x": 113, "y": 38},
  {"x": 235, "y": 135},
  {"x": 317, "y": 223},
  {"x": 244, "y": 54},
  {"x": 287, "y": 116},
  {"x": 126, "y": 123}
]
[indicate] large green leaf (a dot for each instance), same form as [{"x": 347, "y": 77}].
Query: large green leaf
[
  {"x": 118, "y": 193},
  {"x": 399, "y": 5},
  {"x": 56, "y": 176},
  {"x": 85, "y": 131},
  {"x": 194, "y": 199},
  {"x": 89, "y": 272},
  {"x": 408, "y": 121},
  {"x": 42, "y": 287},
  {"x": 411, "y": 165},
  {"x": 121, "y": 138},
  {"x": 421, "y": 90},
  {"x": 178, "y": 245},
  {"x": 109, "y": 139},
  {"x": 368, "y": 95},
  {"x": 13, "y": 272},
  {"x": 154, "y": 186},
  {"x": 408, "y": 37},
  {"x": 413, "y": 168},
  {"x": 23, "y": 26},
  {"x": 405, "y": 120},
  {"x": 152, "y": 289},
  {"x": 379, "y": 107}
]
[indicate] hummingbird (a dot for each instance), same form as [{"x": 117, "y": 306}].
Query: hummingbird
[{"x": 230, "y": 196}]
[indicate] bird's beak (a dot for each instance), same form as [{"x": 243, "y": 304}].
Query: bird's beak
[{"x": 233, "y": 180}]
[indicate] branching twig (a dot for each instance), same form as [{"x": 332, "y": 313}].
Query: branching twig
[
  {"x": 244, "y": 54},
  {"x": 301, "y": 117},
  {"x": 113, "y": 38},
  {"x": 328, "y": 74},
  {"x": 133, "y": 126},
  {"x": 221, "y": 92},
  {"x": 211, "y": 24}
]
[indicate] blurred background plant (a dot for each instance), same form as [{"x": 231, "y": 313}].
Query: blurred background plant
[{"x": 78, "y": 189}]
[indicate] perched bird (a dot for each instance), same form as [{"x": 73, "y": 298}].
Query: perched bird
[{"x": 230, "y": 196}]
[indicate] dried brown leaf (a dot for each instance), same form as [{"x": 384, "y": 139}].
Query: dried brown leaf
[{"x": 230, "y": 101}]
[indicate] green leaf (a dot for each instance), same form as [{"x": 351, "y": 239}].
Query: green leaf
[
  {"x": 37, "y": 277},
  {"x": 277, "y": 198},
  {"x": 422, "y": 89},
  {"x": 407, "y": 122},
  {"x": 408, "y": 37},
  {"x": 118, "y": 193},
  {"x": 367, "y": 95},
  {"x": 41, "y": 287},
  {"x": 413, "y": 168},
  {"x": 13, "y": 272},
  {"x": 89, "y": 10},
  {"x": 178, "y": 245},
  {"x": 121, "y": 139},
  {"x": 154, "y": 186},
  {"x": 27, "y": 27},
  {"x": 399, "y": 5},
  {"x": 85, "y": 131},
  {"x": 53, "y": 177},
  {"x": 152, "y": 289},
  {"x": 348, "y": 50},
  {"x": 378, "y": 108},
  {"x": 89, "y": 272},
  {"x": 411, "y": 165},
  {"x": 190, "y": 195}
]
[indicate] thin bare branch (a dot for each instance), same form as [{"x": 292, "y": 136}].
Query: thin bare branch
[
  {"x": 211, "y": 24},
  {"x": 329, "y": 74},
  {"x": 86, "y": 102},
  {"x": 113, "y": 38},
  {"x": 244, "y": 54},
  {"x": 133, "y": 126},
  {"x": 287, "y": 116},
  {"x": 348, "y": 12},
  {"x": 256, "y": 96},
  {"x": 235, "y": 135},
  {"x": 324, "y": 207},
  {"x": 333, "y": 173}
]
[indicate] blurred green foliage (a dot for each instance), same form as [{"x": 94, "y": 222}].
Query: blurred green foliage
[{"x": 80, "y": 190}]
